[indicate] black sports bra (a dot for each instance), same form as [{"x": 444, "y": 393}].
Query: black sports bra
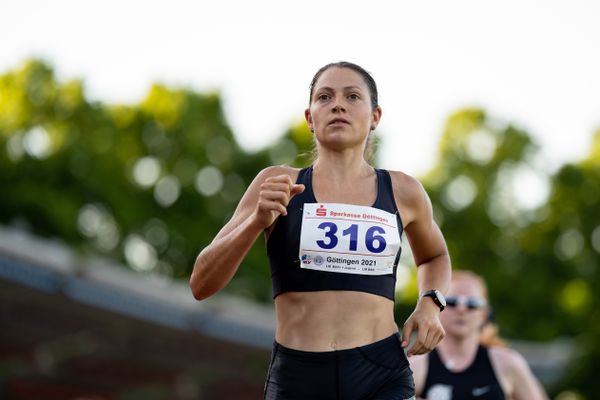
[{"x": 283, "y": 248}]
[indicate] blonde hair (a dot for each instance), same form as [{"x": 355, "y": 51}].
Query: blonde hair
[{"x": 489, "y": 335}]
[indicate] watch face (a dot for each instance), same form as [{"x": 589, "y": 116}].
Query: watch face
[{"x": 440, "y": 298}]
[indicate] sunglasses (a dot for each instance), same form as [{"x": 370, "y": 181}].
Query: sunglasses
[{"x": 471, "y": 303}]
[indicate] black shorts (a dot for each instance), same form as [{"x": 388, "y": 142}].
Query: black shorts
[{"x": 377, "y": 371}]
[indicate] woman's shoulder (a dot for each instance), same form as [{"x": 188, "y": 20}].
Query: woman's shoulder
[
  {"x": 408, "y": 190},
  {"x": 404, "y": 180},
  {"x": 419, "y": 366},
  {"x": 513, "y": 371},
  {"x": 507, "y": 359}
]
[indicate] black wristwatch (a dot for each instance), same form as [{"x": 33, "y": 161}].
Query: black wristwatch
[{"x": 437, "y": 297}]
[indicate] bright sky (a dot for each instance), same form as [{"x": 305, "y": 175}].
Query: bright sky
[{"x": 533, "y": 63}]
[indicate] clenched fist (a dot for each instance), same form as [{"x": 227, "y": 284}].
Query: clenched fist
[{"x": 275, "y": 194}]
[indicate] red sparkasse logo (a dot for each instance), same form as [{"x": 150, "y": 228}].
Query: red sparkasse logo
[{"x": 321, "y": 211}]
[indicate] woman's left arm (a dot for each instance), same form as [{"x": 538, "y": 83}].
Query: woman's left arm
[{"x": 431, "y": 257}]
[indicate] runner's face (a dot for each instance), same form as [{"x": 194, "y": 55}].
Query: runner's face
[
  {"x": 461, "y": 320},
  {"x": 340, "y": 111}
]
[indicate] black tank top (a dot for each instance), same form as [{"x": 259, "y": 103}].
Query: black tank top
[
  {"x": 284, "y": 243},
  {"x": 477, "y": 382}
]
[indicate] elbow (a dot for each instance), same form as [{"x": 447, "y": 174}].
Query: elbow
[
  {"x": 196, "y": 292},
  {"x": 199, "y": 284},
  {"x": 199, "y": 291},
  {"x": 442, "y": 258},
  {"x": 199, "y": 295}
]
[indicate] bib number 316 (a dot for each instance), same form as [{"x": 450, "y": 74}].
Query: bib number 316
[
  {"x": 349, "y": 239},
  {"x": 373, "y": 239}
]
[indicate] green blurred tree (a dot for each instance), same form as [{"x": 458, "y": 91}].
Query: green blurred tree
[
  {"x": 148, "y": 184},
  {"x": 565, "y": 242},
  {"x": 474, "y": 191}
]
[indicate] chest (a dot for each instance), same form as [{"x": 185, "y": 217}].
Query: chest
[
  {"x": 361, "y": 191},
  {"x": 465, "y": 391},
  {"x": 478, "y": 381}
]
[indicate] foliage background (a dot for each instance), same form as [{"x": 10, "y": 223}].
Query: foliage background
[{"x": 150, "y": 184}]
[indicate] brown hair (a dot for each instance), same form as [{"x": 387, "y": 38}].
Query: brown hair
[
  {"x": 489, "y": 335},
  {"x": 356, "y": 68}
]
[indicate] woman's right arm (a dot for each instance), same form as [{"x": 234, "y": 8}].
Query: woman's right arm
[{"x": 265, "y": 199}]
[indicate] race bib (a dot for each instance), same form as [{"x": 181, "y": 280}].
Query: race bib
[{"x": 348, "y": 239}]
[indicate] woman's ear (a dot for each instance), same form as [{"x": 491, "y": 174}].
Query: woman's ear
[
  {"x": 309, "y": 120},
  {"x": 376, "y": 117}
]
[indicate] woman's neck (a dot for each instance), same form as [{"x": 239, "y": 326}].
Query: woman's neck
[
  {"x": 337, "y": 182},
  {"x": 458, "y": 353},
  {"x": 342, "y": 166}
]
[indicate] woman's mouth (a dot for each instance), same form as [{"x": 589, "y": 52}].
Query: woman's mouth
[{"x": 338, "y": 121}]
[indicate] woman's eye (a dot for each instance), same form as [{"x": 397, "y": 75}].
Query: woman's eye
[
  {"x": 354, "y": 97},
  {"x": 323, "y": 97}
]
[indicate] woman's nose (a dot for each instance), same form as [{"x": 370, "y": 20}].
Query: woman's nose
[{"x": 338, "y": 107}]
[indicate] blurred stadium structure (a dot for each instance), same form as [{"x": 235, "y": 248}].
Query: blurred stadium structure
[{"x": 76, "y": 328}]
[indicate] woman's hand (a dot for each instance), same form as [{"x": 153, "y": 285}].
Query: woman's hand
[
  {"x": 425, "y": 323},
  {"x": 275, "y": 194}
]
